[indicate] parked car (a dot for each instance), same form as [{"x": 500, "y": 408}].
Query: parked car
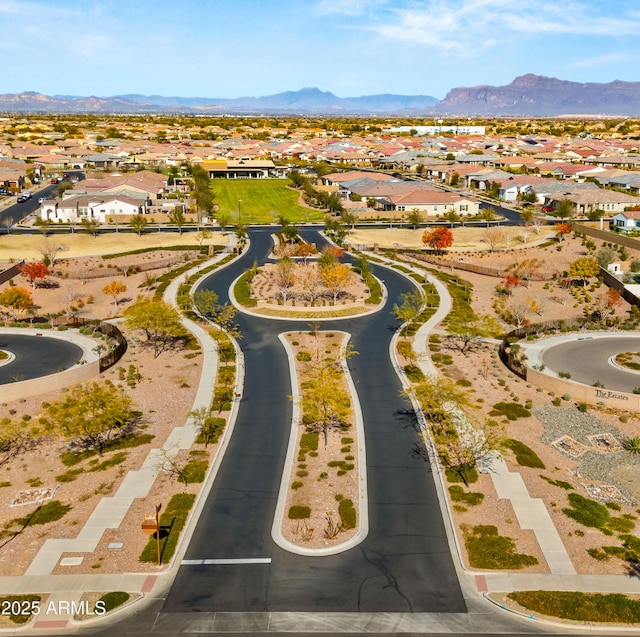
[
  {"x": 27, "y": 194},
  {"x": 4, "y": 191},
  {"x": 548, "y": 209},
  {"x": 41, "y": 200},
  {"x": 22, "y": 199}
]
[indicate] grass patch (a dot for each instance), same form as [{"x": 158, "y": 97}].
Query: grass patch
[
  {"x": 260, "y": 198},
  {"x": 309, "y": 441},
  {"x": 172, "y": 522},
  {"x": 71, "y": 458},
  {"x": 525, "y": 456},
  {"x": 242, "y": 291},
  {"x": 44, "y": 514},
  {"x": 470, "y": 498},
  {"x": 558, "y": 483},
  {"x": 470, "y": 474},
  {"x": 196, "y": 469},
  {"x": 583, "y": 607},
  {"x": 486, "y": 548},
  {"x": 116, "y": 459},
  {"x": 512, "y": 411},
  {"x": 23, "y": 603},
  {"x": 595, "y": 515},
  {"x": 112, "y": 600}
]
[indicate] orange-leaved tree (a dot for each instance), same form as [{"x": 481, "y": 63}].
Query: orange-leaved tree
[
  {"x": 438, "y": 239},
  {"x": 33, "y": 271}
]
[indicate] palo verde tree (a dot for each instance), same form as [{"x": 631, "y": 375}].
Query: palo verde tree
[
  {"x": 325, "y": 402},
  {"x": 159, "y": 321},
  {"x": 17, "y": 299},
  {"x": 91, "y": 416},
  {"x": 409, "y": 310}
]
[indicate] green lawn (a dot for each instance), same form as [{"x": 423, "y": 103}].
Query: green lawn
[{"x": 262, "y": 200}]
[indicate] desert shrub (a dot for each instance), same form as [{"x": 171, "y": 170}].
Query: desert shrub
[
  {"x": 414, "y": 373},
  {"x": 347, "y": 514},
  {"x": 112, "y": 600},
  {"x": 486, "y": 548},
  {"x": 470, "y": 498},
  {"x": 303, "y": 356},
  {"x": 299, "y": 512},
  {"x": 525, "y": 456},
  {"x": 512, "y": 411}
]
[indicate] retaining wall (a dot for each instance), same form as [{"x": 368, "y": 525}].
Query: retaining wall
[
  {"x": 53, "y": 382},
  {"x": 584, "y": 393}
]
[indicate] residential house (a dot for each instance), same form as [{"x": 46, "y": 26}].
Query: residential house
[
  {"x": 92, "y": 207},
  {"x": 625, "y": 221}
]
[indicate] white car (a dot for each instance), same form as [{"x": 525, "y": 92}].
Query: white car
[{"x": 41, "y": 200}]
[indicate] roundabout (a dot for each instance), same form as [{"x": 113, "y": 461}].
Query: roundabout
[
  {"x": 586, "y": 359},
  {"x": 38, "y": 361}
]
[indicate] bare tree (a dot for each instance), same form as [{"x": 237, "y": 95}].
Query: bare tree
[{"x": 493, "y": 236}]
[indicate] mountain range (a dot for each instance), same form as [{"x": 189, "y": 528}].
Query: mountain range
[{"x": 528, "y": 95}]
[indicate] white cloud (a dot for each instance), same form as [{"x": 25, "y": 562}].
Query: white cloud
[
  {"x": 351, "y": 8},
  {"x": 468, "y": 26}
]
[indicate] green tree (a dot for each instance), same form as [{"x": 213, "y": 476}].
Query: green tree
[
  {"x": 410, "y": 308},
  {"x": 584, "y": 268},
  {"x": 451, "y": 216},
  {"x": 159, "y": 321},
  {"x": 90, "y": 225},
  {"x": 224, "y": 218},
  {"x": 206, "y": 301},
  {"x": 91, "y": 416},
  {"x": 414, "y": 218},
  {"x": 138, "y": 223},
  {"x": 564, "y": 209},
  {"x": 177, "y": 218},
  {"x": 596, "y": 214},
  {"x": 605, "y": 256}
]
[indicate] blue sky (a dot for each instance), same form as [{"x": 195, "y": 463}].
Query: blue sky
[{"x": 233, "y": 48}]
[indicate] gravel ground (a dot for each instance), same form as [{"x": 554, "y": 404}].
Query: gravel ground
[{"x": 617, "y": 468}]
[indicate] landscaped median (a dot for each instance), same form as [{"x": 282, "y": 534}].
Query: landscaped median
[
  {"x": 327, "y": 289},
  {"x": 322, "y": 507}
]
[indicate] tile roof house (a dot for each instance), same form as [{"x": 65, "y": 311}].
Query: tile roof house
[{"x": 98, "y": 207}]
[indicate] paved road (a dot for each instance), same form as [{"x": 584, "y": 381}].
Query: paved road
[
  {"x": 404, "y": 565},
  {"x": 587, "y": 361},
  {"x": 36, "y": 356}
]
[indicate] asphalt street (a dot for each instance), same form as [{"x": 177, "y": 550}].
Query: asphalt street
[
  {"x": 404, "y": 564},
  {"x": 36, "y": 356},
  {"x": 587, "y": 361}
]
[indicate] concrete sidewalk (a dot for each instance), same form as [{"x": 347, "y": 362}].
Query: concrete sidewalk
[
  {"x": 111, "y": 511},
  {"x": 531, "y": 513}
]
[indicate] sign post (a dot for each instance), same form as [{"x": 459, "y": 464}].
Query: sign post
[{"x": 151, "y": 525}]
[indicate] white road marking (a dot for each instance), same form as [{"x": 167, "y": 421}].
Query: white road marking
[{"x": 246, "y": 560}]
